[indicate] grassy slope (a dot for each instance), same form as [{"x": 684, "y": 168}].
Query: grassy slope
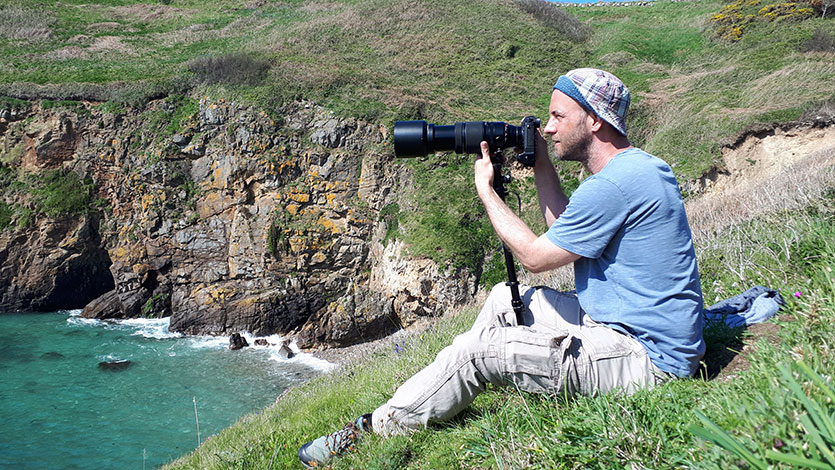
[
  {"x": 508, "y": 429},
  {"x": 447, "y": 61},
  {"x": 791, "y": 249},
  {"x": 434, "y": 59}
]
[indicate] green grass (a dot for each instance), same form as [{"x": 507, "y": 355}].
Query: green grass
[
  {"x": 59, "y": 193},
  {"x": 506, "y": 428},
  {"x": 432, "y": 59},
  {"x": 446, "y": 61}
]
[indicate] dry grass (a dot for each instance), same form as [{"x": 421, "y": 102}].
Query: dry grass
[
  {"x": 111, "y": 44},
  {"x": 68, "y": 52},
  {"x": 145, "y": 13},
  {"x": 775, "y": 89},
  {"x": 551, "y": 15},
  {"x": 720, "y": 220},
  {"x": 25, "y": 23}
]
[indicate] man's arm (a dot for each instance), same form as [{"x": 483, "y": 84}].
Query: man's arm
[
  {"x": 552, "y": 199},
  {"x": 537, "y": 254}
]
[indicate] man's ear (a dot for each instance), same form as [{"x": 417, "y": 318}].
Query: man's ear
[{"x": 595, "y": 123}]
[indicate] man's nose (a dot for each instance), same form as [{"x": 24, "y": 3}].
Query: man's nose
[{"x": 550, "y": 128}]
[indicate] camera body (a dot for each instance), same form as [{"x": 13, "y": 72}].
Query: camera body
[{"x": 419, "y": 138}]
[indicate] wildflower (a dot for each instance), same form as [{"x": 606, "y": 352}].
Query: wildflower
[{"x": 798, "y": 294}]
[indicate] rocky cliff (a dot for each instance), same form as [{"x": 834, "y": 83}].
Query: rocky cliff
[{"x": 223, "y": 217}]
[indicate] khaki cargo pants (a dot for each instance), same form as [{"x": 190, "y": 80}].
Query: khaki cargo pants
[{"x": 558, "y": 350}]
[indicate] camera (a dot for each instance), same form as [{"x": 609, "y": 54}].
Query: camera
[{"x": 419, "y": 138}]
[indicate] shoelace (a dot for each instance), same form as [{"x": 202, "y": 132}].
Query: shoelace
[{"x": 343, "y": 439}]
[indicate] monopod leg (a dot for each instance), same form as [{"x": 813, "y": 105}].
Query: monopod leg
[{"x": 513, "y": 283}]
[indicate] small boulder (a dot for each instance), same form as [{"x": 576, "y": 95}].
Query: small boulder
[
  {"x": 236, "y": 341},
  {"x": 262, "y": 342},
  {"x": 181, "y": 140},
  {"x": 285, "y": 352},
  {"x": 114, "y": 366}
]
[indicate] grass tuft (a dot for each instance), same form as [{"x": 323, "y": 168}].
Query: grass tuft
[
  {"x": 229, "y": 69},
  {"x": 25, "y": 24},
  {"x": 551, "y": 15}
]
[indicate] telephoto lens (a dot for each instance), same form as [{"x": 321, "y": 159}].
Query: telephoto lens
[{"x": 419, "y": 138}]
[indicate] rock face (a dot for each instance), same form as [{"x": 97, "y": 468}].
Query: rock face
[
  {"x": 235, "y": 221},
  {"x": 56, "y": 264}
]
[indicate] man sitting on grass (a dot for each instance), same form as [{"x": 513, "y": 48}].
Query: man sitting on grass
[{"x": 636, "y": 318}]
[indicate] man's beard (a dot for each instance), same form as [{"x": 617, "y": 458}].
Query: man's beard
[{"x": 575, "y": 147}]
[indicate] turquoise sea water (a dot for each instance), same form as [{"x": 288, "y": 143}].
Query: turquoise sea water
[{"x": 59, "y": 409}]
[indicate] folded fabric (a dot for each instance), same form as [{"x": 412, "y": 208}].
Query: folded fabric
[{"x": 755, "y": 305}]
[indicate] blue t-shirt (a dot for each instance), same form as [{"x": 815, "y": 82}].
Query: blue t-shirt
[{"x": 637, "y": 272}]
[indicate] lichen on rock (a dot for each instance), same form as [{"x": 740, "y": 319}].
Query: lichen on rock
[{"x": 230, "y": 222}]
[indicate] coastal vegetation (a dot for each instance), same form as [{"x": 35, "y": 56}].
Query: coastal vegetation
[
  {"x": 701, "y": 73},
  {"x": 693, "y": 88},
  {"x": 506, "y": 428}
]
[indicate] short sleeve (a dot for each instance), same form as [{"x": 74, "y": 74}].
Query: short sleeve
[{"x": 595, "y": 213}]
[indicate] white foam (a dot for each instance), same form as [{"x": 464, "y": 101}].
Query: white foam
[
  {"x": 308, "y": 360},
  {"x": 154, "y": 328},
  {"x": 157, "y": 328},
  {"x": 274, "y": 349},
  {"x": 76, "y": 320},
  {"x": 208, "y": 342},
  {"x": 299, "y": 357}
]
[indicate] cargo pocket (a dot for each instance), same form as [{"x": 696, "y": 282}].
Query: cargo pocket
[
  {"x": 530, "y": 359},
  {"x": 568, "y": 375}
]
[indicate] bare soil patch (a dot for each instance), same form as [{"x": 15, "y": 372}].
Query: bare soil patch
[
  {"x": 765, "y": 169},
  {"x": 735, "y": 358}
]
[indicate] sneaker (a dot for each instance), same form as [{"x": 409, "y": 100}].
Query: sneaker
[{"x": 320, "y": 451}]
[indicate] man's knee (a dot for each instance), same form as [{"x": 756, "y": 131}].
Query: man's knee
[
  {"x": 477, "y": 342},
  {"x": 500, "y": 291},
  {"x": 478, "y": 348},
  {"x": 495, "y": 308}
]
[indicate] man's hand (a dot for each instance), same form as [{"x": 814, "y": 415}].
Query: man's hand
[
  {"x": 484, "y": 171},
  {"x": 536, "y": 254},
  {"x": 541, "y": 146}
]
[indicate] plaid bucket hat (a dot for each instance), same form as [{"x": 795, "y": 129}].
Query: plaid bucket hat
[{"x": 599, "y": 92}]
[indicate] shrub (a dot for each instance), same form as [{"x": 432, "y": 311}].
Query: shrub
[
  {"x": 549, "y": 14},
  {"x": 823, "y": 7},
  {"x": 234, "y": 69},
  {"x": 821, "y": 41},
  {"x": 732, "y": 20},
  {"x": 63, "y": 193},
  {"x": 5, "y": 215}
]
